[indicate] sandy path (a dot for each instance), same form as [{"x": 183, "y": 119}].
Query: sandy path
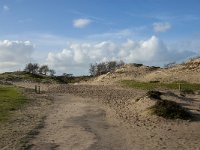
[
  {"x": 104, "y": 118},
  {"x": 78, "y": 124}
]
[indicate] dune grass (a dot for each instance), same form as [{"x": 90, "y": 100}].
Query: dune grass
[
  {"x": 11, "y": 98},
  {"x": 159, "y": 85}
]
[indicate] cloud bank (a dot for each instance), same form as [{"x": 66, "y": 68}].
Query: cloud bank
[
  {"x": 161, "y": 26},
  {"x": 14, "y": 54},
  {"x": 77, "y": 56},
  {"x": 81, "y": 23}
]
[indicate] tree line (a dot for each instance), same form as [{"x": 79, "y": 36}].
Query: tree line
[
  {"x": 104, "y": 67},
  {"x": 95, "y": 69},
  {"x": 34, "y": 68}
]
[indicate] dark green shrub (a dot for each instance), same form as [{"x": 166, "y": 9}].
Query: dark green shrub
[
  {"x": 137, "y": 65},
  {"x": 170, "y": 110},
  {"x": 154, "y": 94},
  {"x": 156, "y": 81},
  {"x": 152, "y": 68}
]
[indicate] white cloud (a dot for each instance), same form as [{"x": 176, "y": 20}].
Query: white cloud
[
  {"x": 77, "y": 56},
  {"x": 161, "y": 26},
  {"x": 6, "y": 8},
  {"x": 81, "y": 23},
  {"x": 14, "y": 54}
]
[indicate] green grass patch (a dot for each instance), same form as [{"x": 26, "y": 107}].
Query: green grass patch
[
  {"x": 170, "y": 110},
  {"x": 11, "y": 98},
  {"x": 159, "y": 85}
]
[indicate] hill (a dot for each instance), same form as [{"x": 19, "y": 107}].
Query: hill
[
  {"x": 21, "y": 76},
  {"x": 188, "y": 71}
]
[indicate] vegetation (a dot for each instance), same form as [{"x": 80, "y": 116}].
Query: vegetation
[
  {"x": 170, "y": 110},
  {"x": 11, "y": 99},
  {"x": 36, "y": 69},
  {"x": 137, "y": 65},
  {"x": 159, "y": 85},
  {"x": 154, "y": 94},
  {"x": 69, "y": 78},
  {"x": 170, "y": 65},
  {"x": 104, "y": 67},
  {"x": 26, "y": 76}
]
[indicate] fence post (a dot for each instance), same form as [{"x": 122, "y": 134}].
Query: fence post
[
  {"x": 35, "y": 88},
  {"x": 39, "y": 89},
  {"x": 179, "y": 87}
]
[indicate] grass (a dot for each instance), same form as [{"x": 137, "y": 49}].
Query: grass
[
  {"x": 21, "y": 76},
  {"x": 158, "y": 85},
  {"x": 11, "y": 98},
  {"x": 25, "y": 76},
  {"x": 169, "y": 110}
]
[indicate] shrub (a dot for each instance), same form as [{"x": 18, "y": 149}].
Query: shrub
[
  {"x": 187, "y": 91},
  {"x": 170, "y": 110},
  {"x": 104, "y": 67},
  {"x": 137, "y": 65},
  {"x": 156, "y": 81},
  {"x": 154, "y": 94},
  {"x": 152, "y": 68}
]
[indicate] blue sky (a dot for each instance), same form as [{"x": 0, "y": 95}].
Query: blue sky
[{"x": 68, "y": 35}]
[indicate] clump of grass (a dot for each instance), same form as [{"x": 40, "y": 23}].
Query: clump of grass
[
  {"x": 154, "y": 94},
  {"x": 11, "y": 99},
  {"x": 170, "y": 110}
]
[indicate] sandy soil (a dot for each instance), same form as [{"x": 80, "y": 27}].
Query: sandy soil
[
  {"x": 100, "y": 117},
  {"x": 104, "y": 117},
  {"x": 77, "y": 123},
  {"x": 21, "y": 126}
]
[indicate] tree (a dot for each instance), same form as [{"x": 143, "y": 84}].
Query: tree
[
  {"x": 52, "y": 72},
  {"x": 35, "y": 68},
  {"x": 111, "y": 66},
  {"x": 170, "y": 65},
  {"x": 104, "y": 67},
  {"x": 92, "y": 69},
  {"x": 32, "y": 68},
  {"x": 44, "y": 69},
  {"x": 120, "y": 63},
  {"x": 67, "y": 75}
]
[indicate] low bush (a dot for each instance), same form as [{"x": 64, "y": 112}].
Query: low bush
[
  {"x": 170, "y": 110},
  {"x": 137, "y": 65},
  {"x": 156, "y": 81},
  {"x": 154, "y": 94}
]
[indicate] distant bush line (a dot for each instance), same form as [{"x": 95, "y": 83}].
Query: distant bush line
[{"x": 104, "y": 67}]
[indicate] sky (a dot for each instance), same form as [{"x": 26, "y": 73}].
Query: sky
[{"x": 69, "y": 35}]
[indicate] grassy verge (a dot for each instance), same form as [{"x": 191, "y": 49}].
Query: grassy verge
[
  {"x": 159, "y": 85},
  {"x": 11, "y": 98}
]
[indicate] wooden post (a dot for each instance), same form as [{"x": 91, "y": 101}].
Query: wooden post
[
  {"x": 179, "y": 87},
  {"x": 39, "y": 89},
  {"x": 35, "y": 88}
]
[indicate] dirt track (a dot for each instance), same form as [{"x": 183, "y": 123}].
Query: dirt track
[
  {"x": 94, "y": 117},
  {"x": 103, "y": 117},
  {"x": 76, "y": 123}
]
